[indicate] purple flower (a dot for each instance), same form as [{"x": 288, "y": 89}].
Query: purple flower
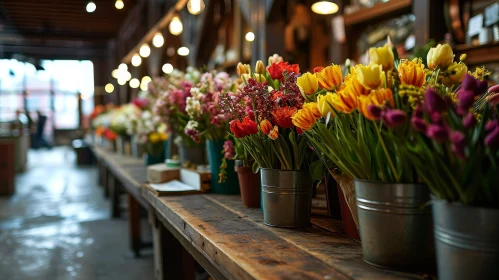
[
  {"x": 436, "y": 117},
  {"x": 469, "y": 121},
  {"x": 433, "y": 101},
  {"x": 472, "y": 84},
  {"x": 394, "y": 117},
  {"x": 419, "y": 111},
  {"x": 465, "y": 99},
  {"x": 438, "y": 132},
  {"x": 375, "y": 111},
  {"x": 469, "y": 82},
  {"x": 458, "y": 143},
  {"x": 492, "y": 139},
  {"x": 419, "y": 124},
  {"x": 491, "y": 125}
]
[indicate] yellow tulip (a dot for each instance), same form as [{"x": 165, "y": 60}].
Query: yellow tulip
[
  {"x": 346, "y": 101},
  {"x": 369, "y": 76},
  {"x": 324, "y": 103},
  {"x": 313, "y": 108},
  {"x": 306, "y": 117},
  {"x": 412, "y": 72},
  {"x": 454, "y": 74},
  {"x": 330, "y": 77},
  {"x": 353, "y": 85},
  {"x": 242, "y": 69},
  {"x": 154, "y": 137},
  {"x": 258, "y": 77},
  {"x": 440, "y": 56},
  {"x": 308, "y": 83},
  {"x": 259, "y": 67},
  {"x": 383, "y": 56}
]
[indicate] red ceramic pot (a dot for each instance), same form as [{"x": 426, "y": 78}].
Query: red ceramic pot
[{"x": 249, "y": 184}]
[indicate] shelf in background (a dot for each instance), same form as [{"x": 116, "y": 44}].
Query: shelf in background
[
  {"x": 482, "y": 54},
  {"x": 377, "y": 11}
]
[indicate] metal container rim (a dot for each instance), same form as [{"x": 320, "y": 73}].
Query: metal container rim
[
  {"x": 388, "y": 183},
  {"x": 461, "y": 205}
]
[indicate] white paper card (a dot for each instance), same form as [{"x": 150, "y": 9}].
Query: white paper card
[{"x": 173, "y": 186}]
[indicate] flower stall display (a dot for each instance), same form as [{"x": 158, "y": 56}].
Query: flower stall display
[
  {"x": 359, "y": 131},
  {"x": 207, "y": 123},
  {"x": 456, "y": 153},
  {"x": 172, "y": 92},
  {"x": 119, "y": 119},
  {"x": 260, "y": 117}
]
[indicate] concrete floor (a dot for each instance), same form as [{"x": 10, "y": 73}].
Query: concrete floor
[{"x": 57, "y": 226}]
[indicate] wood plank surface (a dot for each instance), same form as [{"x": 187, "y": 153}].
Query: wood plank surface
[{"x": 237, "y": 242}]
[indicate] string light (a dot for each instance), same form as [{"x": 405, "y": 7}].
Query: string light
[
  {"x": 119, "y": 4},
  {"x": 134, "y": 83},
  {"x": 121, "y": 81},
  {"x": 91, "y": 7},
  {"x": 195, "y": 7},
  {"x": 183, "y": 51},
  {"x": 176, "y": 27},
  {"x": 114, "y": 74},
  {"x": 250, "y": 36},
  {"x": 158, "y": 40},
  {"x": 325, "y": 7},
  {"x": 136, "y": 60},
  {"x": 109, "y": 88},
  {"x": 167, "y": 68},
  {"x": 123, "y": 67},
  {"x": 145, "y": 50}
]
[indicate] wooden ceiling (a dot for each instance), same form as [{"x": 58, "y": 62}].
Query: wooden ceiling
[{"x": 63, "y": 19}]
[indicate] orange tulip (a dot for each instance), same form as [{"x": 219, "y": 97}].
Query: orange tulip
[
  {"x": 265, "y": 127},
  {"x": 330, "y": 77},
  {"x": 274, "y": 133},
  {"x": 412, "y": 72},
  {"x": 283, "y": 116},
  {"x": 306, "y": 117},
  {"x": 378, "y": 98}
]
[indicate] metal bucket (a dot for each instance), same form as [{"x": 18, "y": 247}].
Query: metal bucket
[
  {"x": 396, "y": 228},
  {"x": 287, "y": 198},
  {"x": 195, "y": 154},
  {"x": 467, "y": 241}
]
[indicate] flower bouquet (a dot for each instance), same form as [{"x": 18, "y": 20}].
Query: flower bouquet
[
  {"x": 260, "y": 117},
  {"x": 456, "y": 153},
  {"x": 173, "y": 91},
  {"x": 207, "y": 123}
]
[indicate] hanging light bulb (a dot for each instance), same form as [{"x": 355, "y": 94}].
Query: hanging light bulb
[
  {"x": 114, "y": 74},
  {"x": 119, "y": 4},
  {"x": 146, "y": 80},
  {"x": 250, "y": 36},
  {"x": 195, "y": 7},
  {"x": 167, "y": 68},
  {"x": 145, "y": 51},
  {"x": 109, "y": 88},
  {"x": 325, "y": 7},
  {"x": 158, "y": 40},
  {"x": 123, "y": 67},
  {"x": 136, "y": 60},
  {"x": 134, "y": 83},
  {"x": 183, "y": 51},
  {"x": 176, "y": 27},
  {"x": 121, "y": 82},
  {"x": 91, "y": 7}
]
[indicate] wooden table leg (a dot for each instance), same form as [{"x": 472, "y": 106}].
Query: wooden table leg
[
  {"x": 106, "y": 175},
  {"x": 100, "y": 180},
  {"x": 176, "y": 262},
  {"x": 114, "y": 195},
  {"x": 134, "y": 224}
]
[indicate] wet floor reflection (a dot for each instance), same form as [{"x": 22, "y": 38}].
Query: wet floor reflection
[{"x": 57, "y": 226}]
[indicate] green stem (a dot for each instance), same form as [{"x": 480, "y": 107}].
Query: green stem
[{"x": 390, "y": 163}]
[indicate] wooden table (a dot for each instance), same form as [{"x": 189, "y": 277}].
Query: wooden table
[
  {"x": 117, "y": 173},
  {"x": 231, "y": 241}
]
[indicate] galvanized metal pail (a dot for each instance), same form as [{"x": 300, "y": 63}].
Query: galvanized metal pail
[
  {"x": 467, "y": 241},
  {"x": 287, "y": 197},
  {"x": 395, "y": 223}
]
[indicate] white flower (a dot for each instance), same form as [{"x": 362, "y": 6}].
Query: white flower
[{"x": 191, "y": 125}]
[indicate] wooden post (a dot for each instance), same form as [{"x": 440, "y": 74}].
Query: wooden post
[
  {"x": 134, "y": 224},
  {"x": 429, "y": 21},
  {"x": 176, "y": 262}
]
